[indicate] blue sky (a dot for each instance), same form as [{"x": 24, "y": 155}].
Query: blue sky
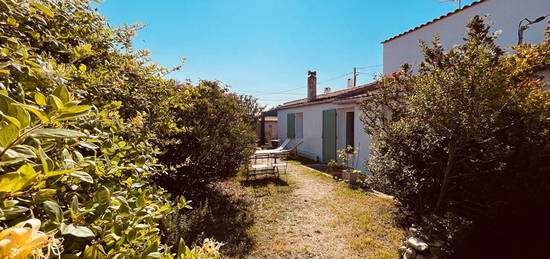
[{"x": 264, "y": 48}]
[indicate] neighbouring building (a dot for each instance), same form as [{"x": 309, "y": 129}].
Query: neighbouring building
[
  {"x": 266, "y": 129},
  {"x": 328, "y": 122},
  {"x": 505, "y": 15}
]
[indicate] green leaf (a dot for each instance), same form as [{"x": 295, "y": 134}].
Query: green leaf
[
  {"x": 10, "y": 107},
  {"x": 43, "y": 159},
  {"x": 78, "y": 231},
  {"x": 157, "y": 255},
  {"x": 63, "y": 94},
  {"x": 22, "y": 151},
  {"x": 22, "y": 116},
  {"x": 89, "y": 145},
  {"x": 12, "y": 212},
  {"x": 55, "y": 102},
  {"x": 75, "y": 109},
  {"x": 71, "y": 112},
  {"x": 81, "y": 231},
  {"x": 13, "y": 120},
  {"x": 181, "y": 248},
  {"x": 94, "y": 252},
  {"x": 75, "y": 205},
  {"x": 60, "y": 172},
  {"x": 8, "y": 133},
  {"x": 103, "y": 195},
  {"x": 83, "y": 176},
  {"x": 53, "y": 210},
  {"x": 36, "y": 111},
  {"x": 40, "y": 99},
  {"x": 15, "y": 181},
  {"x": 44, "y": 194},
  {"x": 43, "y": 8},
  {"x": 56, "y": 133}
]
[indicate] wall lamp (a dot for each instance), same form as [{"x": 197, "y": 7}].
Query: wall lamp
[{"x": 522, "y": 27}]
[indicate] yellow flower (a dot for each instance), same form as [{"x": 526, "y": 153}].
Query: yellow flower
[
  {"x": 24, "y": 240},
  {"x": 137, "y": 122}
]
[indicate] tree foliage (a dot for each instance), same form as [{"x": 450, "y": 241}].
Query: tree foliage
[
  {"x": 216, "y": 139},
  {"x": 84, "y": 121},
  {"x": 454, "y": 140}
]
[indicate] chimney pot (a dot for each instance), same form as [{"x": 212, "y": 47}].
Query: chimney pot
[{"x": 311, "y": 85}]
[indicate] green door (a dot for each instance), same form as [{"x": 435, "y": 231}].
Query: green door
[{"x": 329, "y": 135}]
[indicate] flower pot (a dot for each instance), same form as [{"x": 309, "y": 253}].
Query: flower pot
[{"x": 349, "y": 176}]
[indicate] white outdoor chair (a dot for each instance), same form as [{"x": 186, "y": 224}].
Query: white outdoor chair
[{"x": 279, "y": 148}]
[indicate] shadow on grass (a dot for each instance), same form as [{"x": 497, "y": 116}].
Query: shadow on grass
[
  {"x": 222, "y": 213},
  {"x": 301, "y": 161},
  {"x": 263, "y": 181}
]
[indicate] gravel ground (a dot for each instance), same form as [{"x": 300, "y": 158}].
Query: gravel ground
[{"x": 306, "y": 214}]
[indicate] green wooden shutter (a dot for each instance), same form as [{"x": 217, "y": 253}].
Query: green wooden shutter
[
  {"x": 329, "y": 135},
  {"x": 291, "y": 125}
]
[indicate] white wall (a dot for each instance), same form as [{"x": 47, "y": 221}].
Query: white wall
[
  {"x": 312, "y": 146},
  {"x": 362, "y": 139},
  {"x": 506, "y": 15}
]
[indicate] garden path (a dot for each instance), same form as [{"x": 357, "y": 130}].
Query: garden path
[{"x": 306, "y": 214}]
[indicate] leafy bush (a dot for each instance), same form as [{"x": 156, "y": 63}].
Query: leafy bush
[
  {"x": 77, "y": 150},
  {"x": 454, "y": 141},
  {"x": 335, "y": 165},
  {"x": 216, "y": 138}
]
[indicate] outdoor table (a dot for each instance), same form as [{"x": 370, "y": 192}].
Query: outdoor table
[{"x": 268, "y": 163}]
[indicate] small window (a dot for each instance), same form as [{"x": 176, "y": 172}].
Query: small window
[{"x": 350, "y": 122}]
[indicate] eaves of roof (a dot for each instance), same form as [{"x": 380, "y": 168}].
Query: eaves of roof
[
  {"x": 434, "y": 20},
  {"x": 345, "y": 94}
]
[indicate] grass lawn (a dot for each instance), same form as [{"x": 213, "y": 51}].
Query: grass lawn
[{"x": 308, "y": 214}]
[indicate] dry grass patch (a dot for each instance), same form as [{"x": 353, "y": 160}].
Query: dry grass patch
[{"x": 311, "y": 215}]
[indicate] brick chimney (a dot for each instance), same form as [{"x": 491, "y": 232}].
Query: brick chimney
[{"x": 311, "y": 86}]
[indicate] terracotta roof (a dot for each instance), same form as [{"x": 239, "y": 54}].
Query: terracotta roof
[
  {"x": 435, "y": 20},
  {"x": 348, "y": 93}
]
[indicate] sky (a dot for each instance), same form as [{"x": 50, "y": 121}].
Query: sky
[{"x": 264, "y": 48}]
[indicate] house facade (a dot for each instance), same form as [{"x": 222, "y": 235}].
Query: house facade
[
  {"x": 331, "y": 121},
  {"x": 326, "y": 123},
  {"x": 506, "y": 16}
]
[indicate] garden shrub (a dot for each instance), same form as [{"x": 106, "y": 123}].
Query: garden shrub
[
  {"x": 216, "y": 139},
  {"x": 77, "y": 145},
  {"x": 464, "y": 142}
]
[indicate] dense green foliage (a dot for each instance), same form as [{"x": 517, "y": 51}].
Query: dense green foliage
[
  {"x": 88, "y": 124},
  {"x": 465, "y": 140},
  {"x": 215, "y": 141}
]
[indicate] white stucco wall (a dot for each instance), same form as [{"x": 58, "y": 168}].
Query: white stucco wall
[
  {"x": 506, "y": 15},
  {"x": 312, "y": 146}
]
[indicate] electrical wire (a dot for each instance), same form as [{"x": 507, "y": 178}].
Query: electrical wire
[{"x": 367, "y": 67}]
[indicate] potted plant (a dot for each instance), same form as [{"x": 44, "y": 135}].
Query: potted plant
[
  {"x": 349, "y": 157},
  {"x": 335, "y": 168}
]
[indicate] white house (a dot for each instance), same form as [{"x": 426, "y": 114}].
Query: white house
[
  {"x": 505, "y": 15},
  {"x": 326, "y": 123},
  {"x": 331, "y": 121}
]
